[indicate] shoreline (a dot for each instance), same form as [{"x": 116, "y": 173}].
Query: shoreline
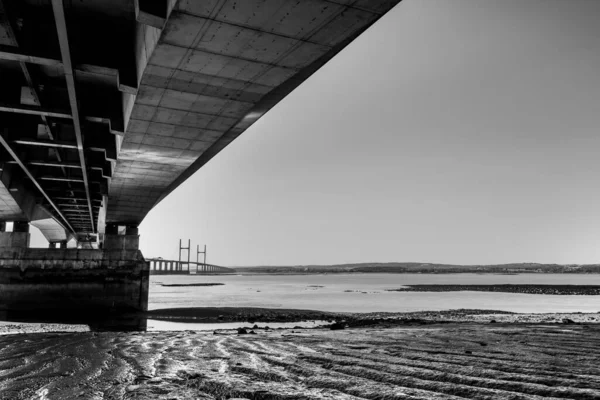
[
  {"x": 247, "y": 317},
  {"x": 240, "y": 272}
]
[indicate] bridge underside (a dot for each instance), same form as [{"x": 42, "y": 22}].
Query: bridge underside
[{"x": 108, "y": 105}]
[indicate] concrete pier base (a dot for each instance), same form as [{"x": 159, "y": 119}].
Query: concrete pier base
[
  {"x": 121, "y": 242},
  {"x": 103, "y": 281},
  {"x": 14, "y": 240}
]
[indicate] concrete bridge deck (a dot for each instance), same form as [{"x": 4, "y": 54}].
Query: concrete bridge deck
[{"x": 107, "y": 106}]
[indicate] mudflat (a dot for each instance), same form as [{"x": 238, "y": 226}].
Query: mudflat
[
  {"x": 581, "y": 290},
  {"x": 416, "y": 359}
]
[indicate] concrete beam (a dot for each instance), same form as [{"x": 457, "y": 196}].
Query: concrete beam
[
  {"x": 41, "y": 163},
  {"x": 109, "y": 147},
  {"x": 61, "y": 179},
  {"x": 61, "y": 29},
  {"x": 33, "y": 179},
  {"x": 115, "y": 122},
  {"x": 11, "y": 53},
  {"x": 105, "y": 169},
  {"x": 77, "y": 199},
  {"x": 46, "y": 143},
  {"x": 34, "y": 110}
]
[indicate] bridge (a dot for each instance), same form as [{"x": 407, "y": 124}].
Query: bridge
[
  {"x": 107, "y": 106},
  {"x": 158, "y": 266}
]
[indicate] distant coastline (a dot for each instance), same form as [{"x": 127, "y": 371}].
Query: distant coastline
[{"x": 423, "y": 268}]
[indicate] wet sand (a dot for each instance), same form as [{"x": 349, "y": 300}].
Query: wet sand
[
  {"x": 248, "y": 316},
  {"x": 240, "y": 314},
  {"x": 384, "y": 356}
]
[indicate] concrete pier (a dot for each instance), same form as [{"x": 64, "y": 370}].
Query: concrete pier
[
  {"x": 73, "y": 279},
  {"x": 18, "y": 238}
]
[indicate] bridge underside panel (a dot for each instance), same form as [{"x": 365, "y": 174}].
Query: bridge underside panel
[
  {"x": 216, "y": 68},
  {"x": 106, "y": 106},
  {"x": 9, "y": 209},
  {"x": 52, "y": 230},
  {"x": 64, "y": 69}
]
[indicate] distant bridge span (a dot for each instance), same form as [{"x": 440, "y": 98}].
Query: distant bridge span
[
  {"x": 158, "y": 266},
  {"x": 107, "y": 106}
]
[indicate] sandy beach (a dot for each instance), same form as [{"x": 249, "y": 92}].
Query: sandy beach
[{"x": 430, "y": 355}]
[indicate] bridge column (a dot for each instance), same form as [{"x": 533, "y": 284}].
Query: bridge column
[
  {"x": 58, "y": 245},
  {"x": 129, "y": 241},
  {"x": 18, "y": 238},
  {"x": 95, "y": 282}
]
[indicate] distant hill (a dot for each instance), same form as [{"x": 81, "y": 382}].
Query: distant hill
[{"x": 415, "y": 267}]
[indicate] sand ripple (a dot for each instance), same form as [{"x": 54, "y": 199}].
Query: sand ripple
[{"x": 449, "y": 361}]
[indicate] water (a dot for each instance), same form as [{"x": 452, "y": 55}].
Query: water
[
  {"x": 366, "y": 292},
  {"x": 336, "y": 293}
]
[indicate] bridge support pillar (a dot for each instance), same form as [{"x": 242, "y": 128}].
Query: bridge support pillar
[
  {"x": 58, "y": 245},
  {"x": 63, "y": 280},
  {"x": 121, "y": 242},
  {"x": 128, "y": 240},
  {"x": 17, "y": 239},
  {"x": 92, "y": 282}
]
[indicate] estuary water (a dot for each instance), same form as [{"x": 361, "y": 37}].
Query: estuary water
[{"x": 367, "y": 292}]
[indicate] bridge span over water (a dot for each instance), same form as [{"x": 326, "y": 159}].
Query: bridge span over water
[
  {"x": 159, "y": 266},
  {"x": 107, "y": 106}
]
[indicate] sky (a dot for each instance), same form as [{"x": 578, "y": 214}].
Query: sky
[{"x": 461, "y": 132}]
